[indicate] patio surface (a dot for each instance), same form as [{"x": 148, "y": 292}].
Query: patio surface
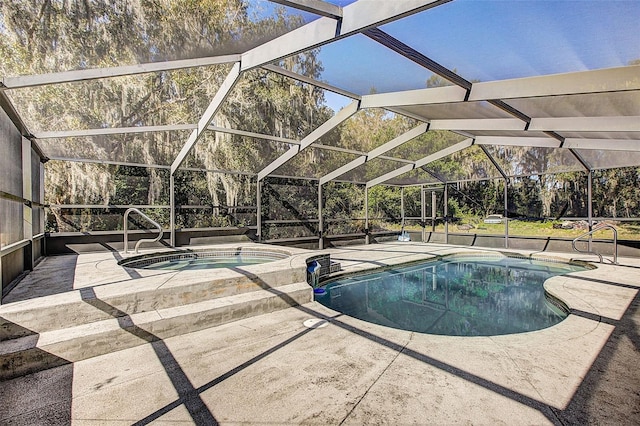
[{"x": 272, "y": 369}]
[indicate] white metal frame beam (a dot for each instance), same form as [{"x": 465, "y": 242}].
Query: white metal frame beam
[
  {"x": 422, "y": 162},
  {"x": 112, "y": 131},
  {"x": 325, "y": 128},
  {"x": 20, "y": 82},
  {"x": 433, "y": 95},
  {"x": 313, "y": 6},
  {"x": 227, "y": 85},
  {"x": 556, "y": 124},
  {"x": 603, "y": 144},
  {"x": 356, "y": 17},
  {"x": 484, "y": 124},
  {"x": 587, "y": 124},
  {"x": 279, "y": 70},
  {"x": 518, "y": 141},
  {"x": 405, "y": 137},
  {"x": 594, "y": 81},
  {"x": 147, "y": 129}
]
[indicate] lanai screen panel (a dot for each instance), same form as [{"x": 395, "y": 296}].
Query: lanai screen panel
[
  {"x": 210, "y": 199},
  {"x": 226, "y": 151},
  {"x": 623, "y": 108},
  {"x": 469, "y": 164},
  {"x": 87, "y": 196},
  {"x": 603, "y": 159},
  {"x": 96, "y": 34},
  {"x": 459, "y": 110},
  {"x": 343, "y": 208},
  {"x": 11, "y": 217},
  {"x": 426, "y": 144},
  {"x": 271, "y": 104},
  {"x": 616, "y": 196},
  {"x": 289, "y": 208},
  {"x": 361, "y": 71},
  {"x": 385, "y": 208},
  {"x": 542, "y": 39},
  {"x": 414, "y": 177},
  {"x": 526, "y": 160},
  {"x": 612, "y": 104},
  {"x": 150, "y": 99},
  {"x": 82, "y": 183},
  {"x": 368, "y": 129},
  {"x": 371, "y": 169},
  {"x": 151, "y": 148},
  {"x": 313, "y": 163}
]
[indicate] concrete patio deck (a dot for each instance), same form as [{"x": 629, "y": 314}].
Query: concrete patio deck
[{"x": 274, "y": 369}]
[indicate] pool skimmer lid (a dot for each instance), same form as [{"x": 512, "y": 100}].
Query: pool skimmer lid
[{"x": 315, "y": 323}]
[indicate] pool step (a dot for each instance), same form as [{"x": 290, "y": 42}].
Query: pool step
[
  {"x": 27, "y": 353},
  {"x": 145, "y": 294}
]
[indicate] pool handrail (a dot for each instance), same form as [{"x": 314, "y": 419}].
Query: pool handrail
[
  {"x": 598, "y": 227},
  {"x": 142, "y": 240}
]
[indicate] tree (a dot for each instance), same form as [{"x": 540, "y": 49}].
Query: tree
[{"x": 53, "y": 35}]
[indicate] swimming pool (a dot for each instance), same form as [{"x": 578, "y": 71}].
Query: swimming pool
[
  {"x": 458, "y": 295},
  {"x": 203, "y": 259}
]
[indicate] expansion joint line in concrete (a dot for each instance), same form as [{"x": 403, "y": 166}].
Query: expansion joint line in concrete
[{"x": 376, "y": 380}]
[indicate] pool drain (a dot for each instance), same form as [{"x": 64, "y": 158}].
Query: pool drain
[{"x": 315, "y": 323}]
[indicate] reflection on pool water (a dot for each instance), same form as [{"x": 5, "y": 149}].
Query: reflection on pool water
[{"x": 456, "y": 296}]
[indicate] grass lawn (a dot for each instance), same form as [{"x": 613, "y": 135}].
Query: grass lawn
[{"x": 626, "y": 230}]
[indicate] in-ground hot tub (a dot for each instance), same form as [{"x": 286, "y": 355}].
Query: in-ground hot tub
[
  {"x": 211, "y": 258},
  {"x": 198, "y": 276}
]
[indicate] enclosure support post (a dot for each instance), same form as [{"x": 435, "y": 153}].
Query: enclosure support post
[
  {"x": 446, "y": 214},
  {"x": 259, "y": 210},
  {"x": 42, "y": 212},
  {"x": 27, "y": 208},
  {"x": 423, "y": 214},
  {"x": 402, "y": 209},
  {"x": 433, "y": 211},
  {"x": 590, "y": 206},
  {"x": 367, "y": 237},
  {"x": 506, "y": 214},
  {"x": 320, "y": 221},
  {"x": 172, "y": 211}
]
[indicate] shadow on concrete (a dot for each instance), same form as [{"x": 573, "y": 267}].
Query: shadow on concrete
[
  {"x": 42, "y": 398},
  {"x": 55, "y": 275},
  {"x": 35, "y": 385},
  {"x": 599, "y": 281},
  {"x": 610, "y": 392},
  {"x": 133, "y": 274},
  {"x": 183, "y": 386},
  {"x": 164, "y": 410},
  {"x": 543, "y": 408}
]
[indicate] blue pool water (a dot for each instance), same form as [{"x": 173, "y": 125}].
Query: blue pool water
[
  {"x": 456, "y": 296},
  {"x": 182, "y": 260},
  {"x": 207, "y": 263}
]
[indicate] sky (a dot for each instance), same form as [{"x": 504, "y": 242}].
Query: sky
[{"x": 486, "y": 40}]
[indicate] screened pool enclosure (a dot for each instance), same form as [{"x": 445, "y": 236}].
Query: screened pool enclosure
[{"x": 316, "y": 123}]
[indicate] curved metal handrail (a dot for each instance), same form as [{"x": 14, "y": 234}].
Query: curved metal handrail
[
  {"x": 597, "y": 228},
  {"x": 142, "y": 240}
]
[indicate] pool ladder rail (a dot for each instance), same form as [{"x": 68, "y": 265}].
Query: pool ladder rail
[
  {"x": 598, "y": 227},
  {"x": 142, "y": 240}
]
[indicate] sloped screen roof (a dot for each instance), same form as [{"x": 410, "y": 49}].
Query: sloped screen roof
[{"x": 401, "y": 92}]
